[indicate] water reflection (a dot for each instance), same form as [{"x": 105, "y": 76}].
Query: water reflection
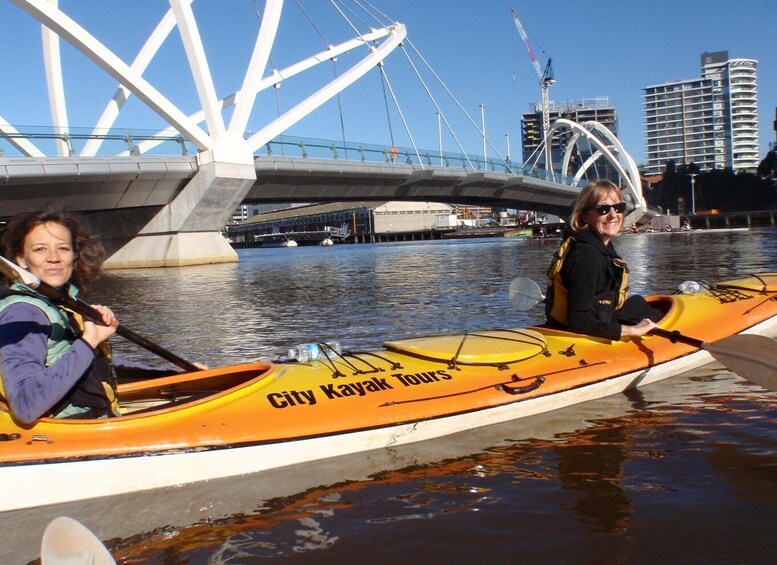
[
  {"x": 593, "y": 469},
  {"x": 605, "y": 493}
]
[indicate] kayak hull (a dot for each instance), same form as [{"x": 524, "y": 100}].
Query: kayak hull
[{"x": 249, "y": 418}]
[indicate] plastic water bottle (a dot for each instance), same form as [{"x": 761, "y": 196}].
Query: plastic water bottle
[
  {"x": 689, "y": 287},
  {"x": 306, "y": 352},
  {"x": 303, "y": 353}
]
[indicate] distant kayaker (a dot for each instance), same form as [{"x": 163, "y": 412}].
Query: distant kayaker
[
  {"x": 52, "y": 361},
  {"x": 587, "y": 280}
]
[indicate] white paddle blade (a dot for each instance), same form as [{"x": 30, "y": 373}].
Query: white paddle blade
[
  {"x": 525, "y": 294},
  {"x": 16, "y": 273},
  {"x": 68, "y": 542},
  {"x": 753, "y": 357}
]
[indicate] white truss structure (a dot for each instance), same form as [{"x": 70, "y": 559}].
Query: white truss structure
[
  {"x": 186, "y": 230},
  {"x": 218, "y": 137}
]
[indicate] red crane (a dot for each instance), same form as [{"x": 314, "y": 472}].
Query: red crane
[{"x": 546, "y": 80}]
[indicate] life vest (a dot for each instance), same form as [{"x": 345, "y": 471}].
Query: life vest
[
  {"x": 94, "y": 395},
  {"x": 556, "y": 301}
]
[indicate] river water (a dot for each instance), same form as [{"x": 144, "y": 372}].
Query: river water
[{"x": 684, "y": 471}]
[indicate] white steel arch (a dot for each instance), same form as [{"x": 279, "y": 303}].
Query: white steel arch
[
  {"x": 51, "y": 17},
  {"x": 278, "y": 76},
  {"x": 226, "y": 139},
  {"x": 607, "y": 146}
]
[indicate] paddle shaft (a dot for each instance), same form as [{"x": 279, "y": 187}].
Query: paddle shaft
[{"x": 677, "y": 336}]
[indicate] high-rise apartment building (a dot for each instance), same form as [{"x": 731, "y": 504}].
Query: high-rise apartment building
[{"x": 710, "y": 121}]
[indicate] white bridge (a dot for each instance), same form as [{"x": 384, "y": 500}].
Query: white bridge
[{"x": 160, "y": 199}]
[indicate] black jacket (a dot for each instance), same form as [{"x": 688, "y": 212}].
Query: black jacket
[{"x": 593, "y": 283}]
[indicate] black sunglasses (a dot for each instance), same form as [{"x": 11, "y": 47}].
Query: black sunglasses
[{"x": 604, "y": 209}]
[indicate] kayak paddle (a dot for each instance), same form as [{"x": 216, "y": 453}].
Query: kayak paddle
[
  {"x": 753, "y": 357},
  {"x": 66, "y": 540},
  {"x": 525, "y": 294},
  {"x": 16, "y": 273}
]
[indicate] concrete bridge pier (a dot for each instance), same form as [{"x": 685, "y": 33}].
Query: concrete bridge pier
[{"x": 187, "y": 231}]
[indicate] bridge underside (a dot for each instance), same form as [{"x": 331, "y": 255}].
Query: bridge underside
[
  {"x": 116, "y": 196},
  {"x": 306, "y": 180},
  {"x": 135, "y": 203}
]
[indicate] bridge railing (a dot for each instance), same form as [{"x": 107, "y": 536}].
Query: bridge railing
[
  {"x": 117, "y": 142},
  {"x": 114, "y": 141},
  {"x": 290, "y": 146}
]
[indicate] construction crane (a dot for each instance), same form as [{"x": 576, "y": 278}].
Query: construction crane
[{"x": 546, "y": 81}]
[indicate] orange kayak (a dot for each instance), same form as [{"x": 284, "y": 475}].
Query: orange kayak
[{"x": 248, "y": 418}]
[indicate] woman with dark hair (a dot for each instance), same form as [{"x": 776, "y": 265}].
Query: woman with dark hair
[
  {"x": 588, "y": 280},
  {"x": 53, "y": 362}
]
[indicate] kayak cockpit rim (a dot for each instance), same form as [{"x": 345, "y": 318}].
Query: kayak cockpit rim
[
  {"x": 188, "y": 388},
  {"x": 145, "y": 397}
]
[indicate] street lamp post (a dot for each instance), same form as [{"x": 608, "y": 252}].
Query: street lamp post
[
  {"x": 439, "y": 135},
  {"x": 693, "y": 192},
  {"x": 483, "y": 124}
]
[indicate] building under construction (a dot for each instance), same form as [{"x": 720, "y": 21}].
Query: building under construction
[{"x": 585, "y": 110}]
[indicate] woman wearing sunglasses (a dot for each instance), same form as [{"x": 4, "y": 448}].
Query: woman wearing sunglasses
[{"x": 587, "y": 280}]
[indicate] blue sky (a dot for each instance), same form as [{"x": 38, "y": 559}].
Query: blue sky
[{"x": 599, "y": 48}]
